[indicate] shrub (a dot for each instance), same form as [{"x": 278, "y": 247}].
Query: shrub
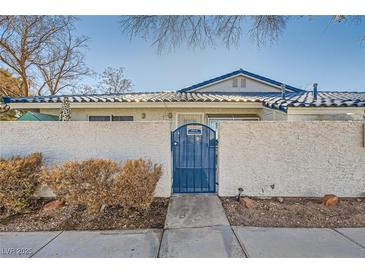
[
  {"x": 86, "y": 182},
  {"x": 19, "y": 178},
  {"x": 134, "y": 187},
  {"x": 98, "y": 182}
]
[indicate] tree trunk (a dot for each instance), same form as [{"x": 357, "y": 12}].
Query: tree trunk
[{"x": 25, "y": 84}]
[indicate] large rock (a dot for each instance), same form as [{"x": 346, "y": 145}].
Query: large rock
[
  {"x": 53, "y": 205},
  {"x": 330, "y": 200},
  {"x": 247, "y": 202}
]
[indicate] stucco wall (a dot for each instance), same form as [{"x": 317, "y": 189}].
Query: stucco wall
[
  {"x": 326, "y": 114},
  {"x": 154, "y": 114},
  {"x": 292, "y": 158},
  {"x": 61, "y": 141},
  {"x": 273, "y": 115}
]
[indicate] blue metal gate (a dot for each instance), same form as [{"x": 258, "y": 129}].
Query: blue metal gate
[{"x": 194, "y": 159}]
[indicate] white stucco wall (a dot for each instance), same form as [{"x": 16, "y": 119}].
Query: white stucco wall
[
  {"x": 158, "y": 114},
  {"x": 62, "y": 141},
  {"x": 292, "y": 158},
  {"x": 268, "y": 114},
  {"x": 326, "y": 114}
]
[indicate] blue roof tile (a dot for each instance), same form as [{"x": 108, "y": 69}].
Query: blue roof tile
[{"x": 268, "y": 99}]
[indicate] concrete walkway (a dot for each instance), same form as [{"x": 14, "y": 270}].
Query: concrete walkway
[{"x": 196, "y": 226}]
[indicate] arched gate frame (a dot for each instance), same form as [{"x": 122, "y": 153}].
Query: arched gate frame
[{"x": 194, "y": 152}]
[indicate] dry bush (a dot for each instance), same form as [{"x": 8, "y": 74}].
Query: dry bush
[
  {"x": 86, "y": 182},
  {"x": 134, "y": 187},
  {"x": 19, "y": 178},
  {"x": 98, "y": 182}
]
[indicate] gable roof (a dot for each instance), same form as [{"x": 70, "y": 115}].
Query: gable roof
[
  {"x": 272, "y": 100},
  {"x": 243, "y": 73}
]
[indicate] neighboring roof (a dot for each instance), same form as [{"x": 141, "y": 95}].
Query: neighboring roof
[
  {"x": 268, "y": 99},
  {"x": 35, "y": 116},
  {"x": 324, "y": 99},
  {"x": 236, "y": 73}
]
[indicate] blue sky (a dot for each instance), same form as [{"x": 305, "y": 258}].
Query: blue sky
[{"x": 309, "y": 50}]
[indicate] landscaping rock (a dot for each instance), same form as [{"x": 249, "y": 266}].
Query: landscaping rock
[
  {"x": 76, "y": 217},
  {"x": 247, "y": 202},
  {"x": 53, "y": 205},
  {"x": 296, "y": 212},
  {"x": 102, "y": 208},
  {"x": 330, "y": 200},
  {"x": 281, "y": 200}
]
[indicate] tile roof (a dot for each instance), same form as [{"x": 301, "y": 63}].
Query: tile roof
[
  {"x": 268, "y": 99},
  {"x": 240, "y": 72},
  {"x": 324, "y": 99}
]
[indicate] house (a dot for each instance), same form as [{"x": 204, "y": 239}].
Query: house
[
  {"x": 188, "y": 148},
  {"x": 239, "y": 95}
]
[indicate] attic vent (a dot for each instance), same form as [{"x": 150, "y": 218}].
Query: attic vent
[
  {"x": 243, "y": 82},
  {"x": 235, "y": 83}
]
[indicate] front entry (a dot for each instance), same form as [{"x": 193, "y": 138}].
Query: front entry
[{"x": 194, "y": 159}]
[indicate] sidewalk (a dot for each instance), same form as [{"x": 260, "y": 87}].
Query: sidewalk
[{"x": 196, "y": 226}]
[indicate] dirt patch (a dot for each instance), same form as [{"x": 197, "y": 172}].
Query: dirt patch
[
  {"x": 77, "y": 218},
  {"x": 296, "y": 212}
]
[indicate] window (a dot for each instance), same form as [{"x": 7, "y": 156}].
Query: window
[
  {"x": 122, "y": 118},
  {"x": 107, "y": 118},
  {"x": 235, "y": 83},
  {"x": 99, "y": 118},
  {"x": 243, "y": 83}
]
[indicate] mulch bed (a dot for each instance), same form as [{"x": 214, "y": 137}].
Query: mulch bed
[
  {"x": 296, "y": 212},
  {"x": 77, "y": 218}
]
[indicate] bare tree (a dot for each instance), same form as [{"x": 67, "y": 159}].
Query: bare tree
[
  {"x": 66, "y": 63},
  {"x": 113, "y": 81},
  {"x": 84, "y": 89},
  {"x": 168, "y": 32},
  {"x": 267, "y": 28},
  {"x": 28, "y": 43}
]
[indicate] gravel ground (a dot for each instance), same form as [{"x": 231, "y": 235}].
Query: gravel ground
[
  {"x": 77, "y": 218},
  {"x": 296, "y": 212}
]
